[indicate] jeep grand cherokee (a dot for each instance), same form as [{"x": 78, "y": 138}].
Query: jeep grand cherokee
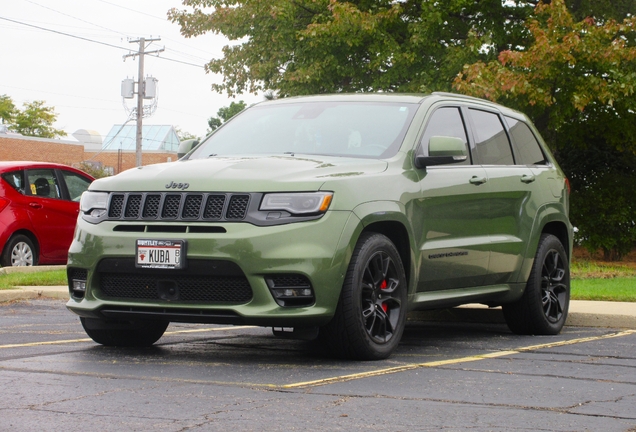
[{"x": 331, "y": 216}]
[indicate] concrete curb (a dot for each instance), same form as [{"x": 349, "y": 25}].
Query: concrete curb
[{"x": 581, "y": 314}]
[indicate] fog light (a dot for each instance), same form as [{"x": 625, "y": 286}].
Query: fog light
[
  {"x": 291, "y": 290},
  {"x": 79, "y": 285}
]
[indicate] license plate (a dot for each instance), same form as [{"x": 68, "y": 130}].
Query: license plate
[{"x": 164, "y": 254}]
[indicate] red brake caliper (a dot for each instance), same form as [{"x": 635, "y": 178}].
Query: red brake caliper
[{"x": 385, "y": 307}]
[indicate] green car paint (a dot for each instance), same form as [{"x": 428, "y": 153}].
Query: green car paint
[{"x": 464, "y": 231}]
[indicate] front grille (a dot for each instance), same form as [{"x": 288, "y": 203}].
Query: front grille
[
  {"x": 170, "y": 206},
  {"x": 204, "y": 281}
]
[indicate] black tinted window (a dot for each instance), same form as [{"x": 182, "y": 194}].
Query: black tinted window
[
  {"x": 447, "y": 122},
  {"x": 491, "y": 142},
  {"x": 525, "y": 143}
]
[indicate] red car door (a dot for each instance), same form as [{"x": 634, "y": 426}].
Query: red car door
[{"x": 53, "y": 218}]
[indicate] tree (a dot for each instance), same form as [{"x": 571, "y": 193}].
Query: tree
[
  {"x": 183, "y": 135},
  {"x": 96, "y": 170},
  {"x": 36, "y": 120},
  {"x": 224, "y": 114},
  {"x": 7, "y": 109},
  {"x": 321, "y": 46},
  {"x": 575, "y": 77}
]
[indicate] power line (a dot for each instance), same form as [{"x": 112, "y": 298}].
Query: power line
[
  {"x": 64, "y": 34},
  {"x": 79, "y": 19},
  {"x": 158, "y": 18},
  {"x": 94, "y": 41}
]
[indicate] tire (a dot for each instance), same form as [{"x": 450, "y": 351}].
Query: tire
[
  {"x": 371, "y": 312},
  {"x": 124, "y": 333},
  {"x": 543, "y": 308},
  {"x": 19, "y": 251}
]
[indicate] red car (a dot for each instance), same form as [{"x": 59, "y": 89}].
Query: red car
[{"x": 39, "y": 202}]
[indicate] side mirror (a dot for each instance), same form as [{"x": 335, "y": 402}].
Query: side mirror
[
  {"x": 443, "y": 150},
  {"x": 186, "y": 146}
]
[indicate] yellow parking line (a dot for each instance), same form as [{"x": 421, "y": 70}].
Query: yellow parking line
[
  {"x": 208, "y": 329},
  {"x": 69, "y": 341},
  {"x": 477, "y": 357}
]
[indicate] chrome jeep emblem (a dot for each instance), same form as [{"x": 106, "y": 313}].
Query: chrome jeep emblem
[{"x": 173, "y": 185}]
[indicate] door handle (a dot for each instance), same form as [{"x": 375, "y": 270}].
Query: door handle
[
  {"x": 478, "y": 180},
  {"x": 36, "y": 205},
  {"x": 527, "y": 178}
]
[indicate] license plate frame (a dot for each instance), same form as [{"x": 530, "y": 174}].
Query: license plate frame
[{"x": 160, "y": 254}]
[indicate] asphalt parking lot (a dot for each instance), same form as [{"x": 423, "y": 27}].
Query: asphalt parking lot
[{"x": 450, "y": 376}]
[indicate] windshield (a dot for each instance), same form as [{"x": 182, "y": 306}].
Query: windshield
[{"x": 358, "y": 129}]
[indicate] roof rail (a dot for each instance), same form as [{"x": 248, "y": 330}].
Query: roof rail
[{"x": 461, "y": 96}]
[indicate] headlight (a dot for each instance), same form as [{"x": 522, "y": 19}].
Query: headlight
[
  {"x": 297, "y": 203},
  {"x": 93, "y": 205}
]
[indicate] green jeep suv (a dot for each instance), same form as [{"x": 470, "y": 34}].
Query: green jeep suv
[{"x": 331, "y": 217}]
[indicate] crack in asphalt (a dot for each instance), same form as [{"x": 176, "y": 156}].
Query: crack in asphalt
[
  {"x": 535, "y": 375},
  {"x": 561, "y": 410}
]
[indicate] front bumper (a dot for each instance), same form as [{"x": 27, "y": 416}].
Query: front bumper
[{"x": 317, "y": 250}]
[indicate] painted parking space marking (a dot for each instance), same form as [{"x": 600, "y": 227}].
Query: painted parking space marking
[
  {"x": 70, "y": 341},
  {"x": 477, "y": 357},
  {"x": 323, "y": 381}
]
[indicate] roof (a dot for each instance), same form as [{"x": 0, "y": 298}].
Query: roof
[{"x": 154, "y": 137}]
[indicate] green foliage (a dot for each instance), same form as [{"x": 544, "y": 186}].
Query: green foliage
[
  {"x": 94, "y": 170},
  {"x": 7, "y": 109},
  {"x": 575, "y": 78},
  {"x": 35, "y": 119},
  {"x": 183, "y": 135},
  {"x": 325, "y": 46},
  {"x": 602, "y": 206},
  {"x": 224, "y": 114}
]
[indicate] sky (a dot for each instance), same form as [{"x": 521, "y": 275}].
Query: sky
[{"x": 43, "y": 58}]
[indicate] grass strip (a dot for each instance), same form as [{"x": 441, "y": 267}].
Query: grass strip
[
  {"x": 620, "y": 289},
  {"x": 44, "y": 278}
]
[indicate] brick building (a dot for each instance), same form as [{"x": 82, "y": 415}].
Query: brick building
[{"x": 15, "y": 147}]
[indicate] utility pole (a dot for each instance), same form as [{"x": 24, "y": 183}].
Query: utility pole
[{"x": 141, "y": 89}]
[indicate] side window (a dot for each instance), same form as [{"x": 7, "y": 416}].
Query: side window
[
  {"x": 43, "y": 183},
  {"x": 525, "y": 143},
  {"x": 448, "y": 122},
  {"x": 76, "y": 184},
  {"x": 491, "y": 142},
  {"x": 15, "y": 179}
]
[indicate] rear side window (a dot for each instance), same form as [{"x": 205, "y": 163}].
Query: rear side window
[
  {"x": 526, "y": 146},
  {"x": 15, "y": 179},
  {"x": 491, "y": 141},
  {"x": 447, "y": 122},
  {"x": 43, "y": 183},
  {"x": 76, "y": 184}
]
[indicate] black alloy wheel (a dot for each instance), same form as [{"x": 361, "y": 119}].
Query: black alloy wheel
[
  {"x": 380, "y": 298},
  {"x": 371, "y": 313},
  {"x": 543, "y": 307},
  {"x": 554, "y": 291}
]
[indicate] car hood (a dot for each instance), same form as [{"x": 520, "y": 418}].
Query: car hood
[{"x": 240, "y": 174}]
